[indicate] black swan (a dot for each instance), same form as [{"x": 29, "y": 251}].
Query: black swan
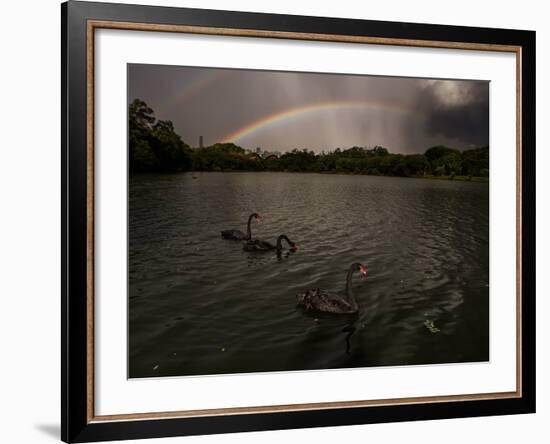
[
  {"x": 239, "y": 235},
  {"x": 261, "y": 245},
  {"x": 333, "y": 302}
]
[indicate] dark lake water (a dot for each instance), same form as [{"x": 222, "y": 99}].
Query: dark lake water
[{"x": 201, "y": 305}]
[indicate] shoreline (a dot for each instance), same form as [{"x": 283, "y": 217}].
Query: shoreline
[{"x": 472, "y": 179}]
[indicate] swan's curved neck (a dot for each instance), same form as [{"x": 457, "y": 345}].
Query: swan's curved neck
[
  {"x": 280, "y": 241},
  {"x": 248, "y": 231},
  {"x": 349, "y": 291}
]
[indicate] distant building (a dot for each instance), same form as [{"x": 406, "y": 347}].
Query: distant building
[{"x": 201, "y": 143}]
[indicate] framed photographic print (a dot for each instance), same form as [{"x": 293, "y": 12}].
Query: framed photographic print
[{"x": 276, "y": 221}]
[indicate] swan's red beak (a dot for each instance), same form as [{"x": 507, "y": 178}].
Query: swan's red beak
[
  {"x": 362, "y": 270},
  {"x": 294, "y": 247}
]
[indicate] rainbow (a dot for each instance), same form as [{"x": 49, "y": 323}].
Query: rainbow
[
  {"x": 192, "y": 88},
  {"x": 293, "y": 113}
]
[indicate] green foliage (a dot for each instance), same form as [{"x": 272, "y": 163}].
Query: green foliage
[
  {"x": 298, "y": 161},
  {"x": 155, "y": 146},
  {"x": 437, "y": 152},
  {"x": 417, "y": 163},
  {"x": 225, "y": 157},
  {"x": 476, "y": 162}
]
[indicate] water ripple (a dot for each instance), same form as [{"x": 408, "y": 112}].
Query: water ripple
[{"x": 202, "y": 305}]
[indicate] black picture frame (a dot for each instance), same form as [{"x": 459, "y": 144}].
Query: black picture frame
[{"x": 76, "y": 423}]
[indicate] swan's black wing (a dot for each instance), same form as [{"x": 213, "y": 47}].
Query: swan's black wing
[
  {"x": 324, "y": 300},
  {"x": 265, "y": 245},
  {"x": 258, "y": 245},
  {"x": 233, "y": 235}
]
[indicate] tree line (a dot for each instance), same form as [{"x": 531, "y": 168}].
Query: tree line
[{"x": 155, "y": 146}]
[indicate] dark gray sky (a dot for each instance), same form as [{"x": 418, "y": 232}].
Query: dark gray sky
[{"x": 278, "y": 111}]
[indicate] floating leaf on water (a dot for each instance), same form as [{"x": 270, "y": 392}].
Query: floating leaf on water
[{"x": 429, "y": 324}]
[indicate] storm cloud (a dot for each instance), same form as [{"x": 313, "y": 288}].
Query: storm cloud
[
  {"x": 456, "y": 111},
  {"x": 278, "y": 111}
]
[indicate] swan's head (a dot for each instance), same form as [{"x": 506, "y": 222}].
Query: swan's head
[
  {"x": 361, "y": 269},
  {"x": 292, "y": 245},
  {"x": 257, "y": 217}
]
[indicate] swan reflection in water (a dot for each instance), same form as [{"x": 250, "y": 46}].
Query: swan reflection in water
[
  {"x": 341, "y": 326},
  {"x": 262, "y": 259},
  {"x": 256, "y": 247},
  {"x": 261, "y": 246},
  {"x": 350, "y": 331}
]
